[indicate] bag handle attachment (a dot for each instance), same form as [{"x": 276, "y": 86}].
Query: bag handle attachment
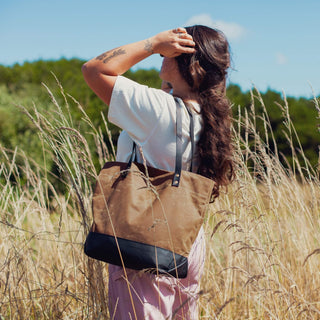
[{"x": 133, "y": 154}]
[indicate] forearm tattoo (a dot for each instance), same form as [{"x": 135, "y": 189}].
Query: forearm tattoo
[
  {"x": 148, "y": 46},
  {"x": 105, "y": 57}
]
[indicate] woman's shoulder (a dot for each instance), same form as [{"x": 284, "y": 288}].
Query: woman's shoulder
[{"x": 130, "y": 88}]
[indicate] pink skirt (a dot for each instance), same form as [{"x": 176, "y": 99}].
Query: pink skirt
[{"x": 145, "y": 296}]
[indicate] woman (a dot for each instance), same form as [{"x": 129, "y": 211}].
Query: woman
[{"x": 195, "y": 65}]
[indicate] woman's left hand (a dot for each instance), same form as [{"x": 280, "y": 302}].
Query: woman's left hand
[{"x": 172, "y": 43}]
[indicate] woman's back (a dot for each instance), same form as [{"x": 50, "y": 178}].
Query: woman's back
[{"x": 148, "y": 116}]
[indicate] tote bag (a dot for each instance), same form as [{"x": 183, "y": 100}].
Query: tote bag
[{"x": 146, "y": 218}]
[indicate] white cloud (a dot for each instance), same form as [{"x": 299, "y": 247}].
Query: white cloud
[
  {"x": 281, "y": 58},
  {"x": 233, "y": 31}
]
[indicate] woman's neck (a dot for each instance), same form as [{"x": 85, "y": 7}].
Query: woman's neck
[{"x": 184, "y": 92}]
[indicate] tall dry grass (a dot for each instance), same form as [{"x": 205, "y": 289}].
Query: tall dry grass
[{"x": 263, "y": 234}]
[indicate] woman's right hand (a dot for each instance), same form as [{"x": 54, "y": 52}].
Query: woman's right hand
[{"x": 172, "y": 43}]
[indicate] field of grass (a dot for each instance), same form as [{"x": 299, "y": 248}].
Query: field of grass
[{"x": 263, "y": 233}]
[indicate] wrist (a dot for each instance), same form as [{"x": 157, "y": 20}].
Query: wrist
[
  {"x": 153, "y": 44},
  {"x": 148, "y": 45}
]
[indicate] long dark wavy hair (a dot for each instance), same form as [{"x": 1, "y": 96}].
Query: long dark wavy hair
[{"x": 205, "y": 72}]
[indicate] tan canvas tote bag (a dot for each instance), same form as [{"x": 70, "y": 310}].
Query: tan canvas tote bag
[{"x": 147, "y": 218}]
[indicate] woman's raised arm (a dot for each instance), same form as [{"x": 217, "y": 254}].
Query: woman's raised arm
[{"x": 100, "y": 73}]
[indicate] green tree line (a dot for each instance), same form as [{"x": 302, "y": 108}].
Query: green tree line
[{"x": 26, "y": 85}]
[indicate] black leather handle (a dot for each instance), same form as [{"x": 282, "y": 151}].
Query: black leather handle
[
  {"x": 133, "y": 155},
  {"x": 177, "y": 171},
  {"x": 191, "y": 128}
]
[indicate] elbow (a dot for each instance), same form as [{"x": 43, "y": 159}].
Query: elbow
[
  {"x": 86, "y": 70},
  {"x": 89, "y": 72}
]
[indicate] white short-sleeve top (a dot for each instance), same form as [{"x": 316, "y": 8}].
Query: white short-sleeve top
[{"x": 148, "y": 117}]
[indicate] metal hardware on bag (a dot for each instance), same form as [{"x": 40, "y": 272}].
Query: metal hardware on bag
[
  {"x": 176, "y": 180},
  {"x": 124, "y": 173}
]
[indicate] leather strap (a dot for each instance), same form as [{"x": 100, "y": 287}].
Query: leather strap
[
  {"x": 132, "y": 157},
  {"x": 178, "y": 165},
  {"x": 177, "y": 172},
  {"x": 191, "y": 128}
]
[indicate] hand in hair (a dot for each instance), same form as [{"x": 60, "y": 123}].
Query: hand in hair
[{"x": 172, "y": 43}]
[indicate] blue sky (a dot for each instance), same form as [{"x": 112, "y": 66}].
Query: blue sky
[{"x": 275, "y": 44}]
